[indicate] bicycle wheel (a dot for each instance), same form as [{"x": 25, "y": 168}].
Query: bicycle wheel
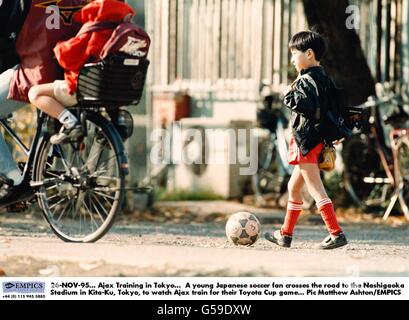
[
  {"x": 83, "y": 184},
  {"x": 402, "y": 172},
  {"x": 364, "y": 177},
  {"x": 270, "y": 177}
]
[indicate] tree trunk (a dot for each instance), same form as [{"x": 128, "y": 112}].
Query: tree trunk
[{"x": 344, "y": 61}]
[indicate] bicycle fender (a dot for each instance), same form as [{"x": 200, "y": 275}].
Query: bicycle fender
[{"x": 122, "y": 154}]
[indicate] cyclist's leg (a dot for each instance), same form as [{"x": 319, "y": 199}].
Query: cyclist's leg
[{"x": 8, "y": 166}]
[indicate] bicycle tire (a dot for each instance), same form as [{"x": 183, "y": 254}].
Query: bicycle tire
[
  {"x": 110, "y": 141},
  {"x": 402, "y": 172},
  {"x": 269, "y": 177},
  {"x": 361, "y": 160}
]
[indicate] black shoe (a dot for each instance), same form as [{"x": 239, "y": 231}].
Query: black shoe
[
  {"x": 74, "y": 134},
  {"x": 21, "y": 192},
  {"x": 332, "y": 242},
  {"x": 279, "y": 239},
  {"x": 5, "y": 185}
]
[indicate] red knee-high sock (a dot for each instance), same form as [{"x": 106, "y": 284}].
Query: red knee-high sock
[
  {"x": 327, "y": 211},
  {"x": 293, "y": 212}
]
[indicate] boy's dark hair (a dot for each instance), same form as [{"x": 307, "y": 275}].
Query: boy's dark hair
[{"x": 305, "y": 40}]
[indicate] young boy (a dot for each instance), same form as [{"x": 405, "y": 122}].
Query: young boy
[{"x": 307, "y": 49}]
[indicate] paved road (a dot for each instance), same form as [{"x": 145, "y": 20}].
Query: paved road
[{"x": 134, "y": 248}]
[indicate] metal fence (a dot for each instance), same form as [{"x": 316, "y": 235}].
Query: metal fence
[{"x": 231, "y": 45}]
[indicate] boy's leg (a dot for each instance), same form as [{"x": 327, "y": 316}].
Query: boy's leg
[
  {"x": 283, "y": 237},
  {"x": 312, "y": 178},
  {"x": 311, "y": 174},
  {"x": 44, "y": 97},
  {"x": 8, "y": 167},
  {"x": 294, "y": 206}
]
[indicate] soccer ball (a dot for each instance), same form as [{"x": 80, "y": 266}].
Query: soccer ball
[{"x": 243, "y": 228}]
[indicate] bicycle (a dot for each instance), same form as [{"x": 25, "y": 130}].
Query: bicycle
[
  {"x": 375, "y": 171},
  {"x": 273, "y": 171},
  {"x": 80, "y": 185}
]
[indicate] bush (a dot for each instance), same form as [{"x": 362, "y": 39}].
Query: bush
[
  {"x": 184, "y": 195},
  {"x": 334, "y": 186}
]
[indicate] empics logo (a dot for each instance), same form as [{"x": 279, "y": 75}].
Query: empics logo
[
  {"x": 24, "y": 287},
  {"x": 9, "y": 285}
]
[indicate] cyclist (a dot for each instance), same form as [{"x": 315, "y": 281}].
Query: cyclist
[
  {"x": 34, "y": 45},
  {"x": 307, "y": 48}
]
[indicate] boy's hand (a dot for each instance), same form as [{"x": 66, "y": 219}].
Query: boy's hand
[{"x": 337, "y": 142}]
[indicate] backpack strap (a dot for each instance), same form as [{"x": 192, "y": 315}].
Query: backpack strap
[
  {"x": 314, "y": 84},
  {"x": 311, "y": 81},
  {"x": 96, "y": 26}
]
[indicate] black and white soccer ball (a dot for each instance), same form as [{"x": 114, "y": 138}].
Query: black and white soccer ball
[{"x": 243, "y": 228}]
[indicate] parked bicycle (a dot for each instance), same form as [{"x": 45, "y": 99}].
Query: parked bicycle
[
  {"x": 274, "y": 172},
  {"x": 80, "y": 185},
  {"x": 376, "y": 171}
]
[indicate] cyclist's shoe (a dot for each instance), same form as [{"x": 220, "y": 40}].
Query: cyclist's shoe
[
  {"x": 17, "y": 207},
  {"x": 6, "y": 185},
  {"x": 279, "y": 239},
  {"x": 332, "y": 242},
  {"x": 11, "y": 194},
  {"x": 65, "y": 135}
]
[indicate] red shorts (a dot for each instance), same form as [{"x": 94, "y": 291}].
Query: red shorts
[{"x": 295, "y": 157}]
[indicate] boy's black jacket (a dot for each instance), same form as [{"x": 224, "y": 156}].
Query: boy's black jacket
[{"x": 302, "y": 100}]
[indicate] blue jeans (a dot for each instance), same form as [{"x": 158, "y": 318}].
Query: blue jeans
[{"x": 7, "y": 164}]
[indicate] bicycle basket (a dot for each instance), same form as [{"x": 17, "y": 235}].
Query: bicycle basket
[{"x": 115, "y": 81}]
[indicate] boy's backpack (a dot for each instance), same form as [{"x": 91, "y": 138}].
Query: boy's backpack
[
  {"x": 119, "y": 77},
  {"x": 333, "y": 123}
]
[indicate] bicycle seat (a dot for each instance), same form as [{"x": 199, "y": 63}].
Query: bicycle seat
[
  {"x": 267, "y": 118},
  {"x": 116, "y": 81}
]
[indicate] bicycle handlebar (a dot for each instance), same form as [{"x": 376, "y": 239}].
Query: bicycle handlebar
[{"x": 375, "y": 102}]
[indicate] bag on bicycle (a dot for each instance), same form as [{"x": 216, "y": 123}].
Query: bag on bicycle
[
  {"x": 105, "y": 63},
  {"x": 119, "y": 77}
]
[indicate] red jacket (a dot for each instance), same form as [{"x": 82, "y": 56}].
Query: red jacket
[
  {"x": 35, "y": 45},
  {"x": 75, "y": 52}
]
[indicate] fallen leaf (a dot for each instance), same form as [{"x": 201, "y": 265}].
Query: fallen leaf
[
  {"x": 50, "y": 271},
  {"x": 89, "y": 266}
]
